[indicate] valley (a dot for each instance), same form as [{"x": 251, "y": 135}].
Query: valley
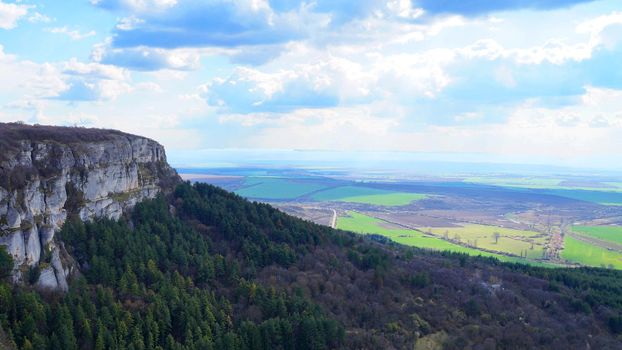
[{"x": 571, "y": 221}]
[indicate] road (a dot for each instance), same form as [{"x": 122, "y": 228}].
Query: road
[{"x": 333, "y": 221}]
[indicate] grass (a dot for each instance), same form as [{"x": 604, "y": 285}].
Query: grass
[
  {"x": 599, "y": 197},
  {"x": 511, "y": 241},
  {"x": 590, "y": 255},
  {"x": 276, "y": 188},
  {"x": 366, "y": 195},
  {"x": 547, "y": 184},
  {"x": 520, "y": 182},
  {"x": 359, "y": 223},
  {"x": 604, "y": 233}
]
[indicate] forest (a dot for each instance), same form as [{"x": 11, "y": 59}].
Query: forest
[{"x": 203, "y": 268}]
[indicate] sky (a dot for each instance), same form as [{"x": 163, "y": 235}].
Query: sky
[{"x": 526, "y": 81}]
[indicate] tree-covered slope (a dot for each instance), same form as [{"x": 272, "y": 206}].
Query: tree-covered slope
[{"x": 206, "y": 269}]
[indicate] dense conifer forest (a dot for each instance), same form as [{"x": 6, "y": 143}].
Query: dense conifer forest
[{"x": 205, "y": 269}]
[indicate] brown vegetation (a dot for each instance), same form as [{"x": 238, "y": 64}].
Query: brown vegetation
[{"x": 11, "y": 133}]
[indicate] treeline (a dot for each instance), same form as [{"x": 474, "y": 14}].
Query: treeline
[
  {"x": 206, "y": 269},
  {"x": 155, "y": 282}
]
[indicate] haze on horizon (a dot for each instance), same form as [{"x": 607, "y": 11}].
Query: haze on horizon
[{"x": 497, "y": 81}]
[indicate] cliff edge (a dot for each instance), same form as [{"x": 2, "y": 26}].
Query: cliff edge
[{"x": 49, "y": 173}]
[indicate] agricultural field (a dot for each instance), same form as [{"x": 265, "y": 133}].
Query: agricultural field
[
  {"x": 458, "y": 215},
  {"x": 611, "y": 234},
  {"x": 360, "y": 223},
  {"x": 516, "y": 242},
  {"x": 365, "y": 195},
  {"x": 546, "y": 183},
  {"x": 600, "y": 197},
  {"x": 277, "y": 188},
  {"x": 587, "y": 254},
  {"x": 519, "y": 182},
  {"x": 604, "y": 193}
]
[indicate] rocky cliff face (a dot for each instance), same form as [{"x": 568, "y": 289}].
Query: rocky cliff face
[{"x": 48, "y": 173}]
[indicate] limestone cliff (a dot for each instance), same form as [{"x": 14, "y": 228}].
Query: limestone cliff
[{"x": 49, "y": 173}]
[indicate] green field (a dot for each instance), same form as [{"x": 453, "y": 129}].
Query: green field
[
  {"x": 600, "y": 197},
  {"x": 277, "y": 188},
  {"x": 364, "y": 224},
  {"x": 519, "y": 182},
  {"x": 589, "y": 193},
  {"x": 587, "y": 254},
  {"x": 511, "y": 241},
  {"x": 604, "y": 233},
  {"x": 365, "y": 195}
]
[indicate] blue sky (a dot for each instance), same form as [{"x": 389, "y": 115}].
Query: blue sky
[{"x": 518, "y": 80}]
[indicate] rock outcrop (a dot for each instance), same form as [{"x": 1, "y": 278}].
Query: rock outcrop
[{"x": 50, "y": 173}]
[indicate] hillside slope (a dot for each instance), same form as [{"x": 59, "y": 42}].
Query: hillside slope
[{"x": 206, "y": 269}]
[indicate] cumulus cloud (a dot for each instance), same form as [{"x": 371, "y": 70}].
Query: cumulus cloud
[
  {"x": 200, "y": 24},
  {"x": 249, "y": 90},
  {"x": 404, "y": 9},
  {"x": 28, "y": 83},
  {"x": 10, "y": 14},
  {"x": 93, "y": 90},
  {"x": 230, "y": 24},
  {"x": 330, "y": 81},
  {"x": 555, "y": 51},
  {"x": 28, "y": 80},
  {"x": 599, "y": 107},
  {"x": 93, "y": 81},
  {"x": 347, "y": 74},
  {"x": 144, "y": 58}
]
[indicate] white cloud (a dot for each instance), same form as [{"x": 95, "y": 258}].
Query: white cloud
[
  {"x": 404, "y": 9},
  {"x": 26, "y": 79},
  {"x": 94, "y": 70},
  {"x": 555, "y": 51},
  {"x": 598, "y": 106},
  {"x": 38, "y": 17},
  {"x": 129, "y": 23},
  {"x": 10, "y": 14},
  {"x": 596, "y": 29},
  {"x": 147, "y": 58},
  {"x": 73, "y": 34},
  {"x": 93, "y": 81},
  {"x": 27, "y": 83},
  {"x": 333, "y": 77},
  {"x": 327, "y": 81}
]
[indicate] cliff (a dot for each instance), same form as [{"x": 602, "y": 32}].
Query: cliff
[{"x": 49, "y": 173}]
